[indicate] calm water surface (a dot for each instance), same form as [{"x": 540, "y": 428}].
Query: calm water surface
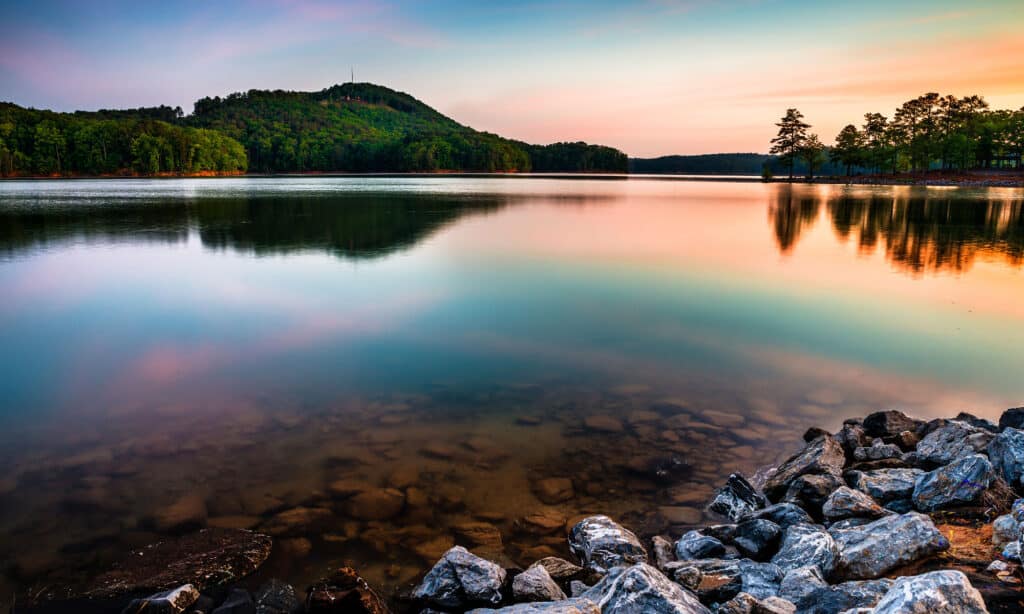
[{"x": 250, "y": 342}]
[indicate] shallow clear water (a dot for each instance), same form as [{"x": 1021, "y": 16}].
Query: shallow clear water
[{"x": 254, "y": 340}]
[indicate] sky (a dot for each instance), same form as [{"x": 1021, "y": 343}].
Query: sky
[{"x": 652, "y": 77}]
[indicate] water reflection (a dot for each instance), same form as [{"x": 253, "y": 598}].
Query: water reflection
[{"x": 919, "y": 230}]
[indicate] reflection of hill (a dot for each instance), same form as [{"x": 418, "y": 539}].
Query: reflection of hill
[
  {"x": 349, "y": 226},
  {"x": 919, "y": 231}
]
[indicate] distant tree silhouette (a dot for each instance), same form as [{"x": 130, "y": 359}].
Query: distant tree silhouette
[{"x": 790, "y": 139}]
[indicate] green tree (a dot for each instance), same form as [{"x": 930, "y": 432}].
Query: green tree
[
  {"x": 849, "y": 148},
  {"x": 812, "y": 152},
  {"x": 791, "y": 138},
  {"x": 49, "y": 148}
]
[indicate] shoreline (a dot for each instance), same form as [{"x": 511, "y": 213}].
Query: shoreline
[{"x": 887, "y": 511}]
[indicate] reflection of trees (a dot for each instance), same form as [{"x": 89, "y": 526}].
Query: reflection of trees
[
  {"x": 791, "y": 211},
  {"x": 919, "y": 230},
  {"x": 349, "y": 226}
]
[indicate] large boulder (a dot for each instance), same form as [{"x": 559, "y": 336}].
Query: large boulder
[
  {"x": 1006, "y": 452},
  {"x": 461, "y": 579},
  {"x": 566, "y": 606},
  {"x": 343, "y": 592},
  {"x": 737, "y": 499},
  {"x": 846, "y": 502},
  {"x": 872, "y": 550},
  {"x": 958, "y": 483},
  {"x": 174, "y": 601},
  {"x": 536, "y": 584},
  {"x": 642, "y": 588},
  {"x": 885, "y": 485},
  {"x": 696, "y": 545},
  {"x": 889, "y": 423},
  {"x": 807, "y": 544},
  {"x": 1012, "y": 418},
  {"x": 950, "y": 442},
  {"x": 720, "y": 580},
  {"x": 937, "y": 592},
  {"x": 821, "y": 456},
  {"x": 600, "y": 544}
]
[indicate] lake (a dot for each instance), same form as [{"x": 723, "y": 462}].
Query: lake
[{"x": 415, "y": 358}]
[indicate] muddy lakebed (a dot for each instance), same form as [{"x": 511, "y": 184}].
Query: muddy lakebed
[{"x": 372, "y": 370}]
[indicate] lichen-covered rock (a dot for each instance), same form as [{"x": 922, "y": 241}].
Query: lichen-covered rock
[
  {"x": 174, "y": 601},
  {"x": 885, "y": 485},
  {"x": 872, "y": 550},
  {"x": 1006, "y": 452},
  {"x": 737, "y": 499},
  {"x": 744, "y": 603},
  {"x": 343, "y": 592},
  {"x": 757, "y": 539},
  {"x": 721, "y": 580},
  {"x": 953, "y": 441},
  {"x": 277, "y": 597},
  {"x": 536, "y": 584},
  {"x": 568, "y": 606},
  {"x": 461, "y": 579},
  {"x": 811, "y": 491},
  {"x": 641, "y": 588},
  {"x": 783, "y": 514},
  {"x": 695, "y": 545},
  {"x": 820, "y": 456},
  {"x": 957, "y": 483},
  {"x": 807, "y": 544},
  {"x": 937, "y": 592},
  {"x": 846, "y": 502},
  {"x": 600, "y": 544},
  {"x": 889, "y": 423}
]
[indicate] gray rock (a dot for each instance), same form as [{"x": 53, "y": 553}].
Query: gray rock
[
  {"x": 851, "y": 437},
  {"x": 664, "y": 551},
  {"x": 825, "y": 599},
  {"x": 807, "y": 544},
  {"x": 238, "y": 601},
  {"x": 577, "y": 588},
  {"x": 960, "y": 482},
  {"x": 886, "y": 485},
  {"x": 737, "y": 499},
  {"x": 1005, "y": 529},
  {"x": 174, "y": 601},
  {"x": 757, "y": 539},
  {"x": 1012, "y": 551},
  {"x": 277, "y": 597},
  {"x": 600, "y": 544},
  {"x": 975, "y": 421},
  {"x": 560, "y": 570},
  {"x": 900, "y": 506},
  {"x": 688, "y": 577},
  {"x": 846, "y": 502},
  {"x": 1006, "y": 451},
  {"x": 639, "y": 589},
  {"x": 566, "y": 606},
  {"x": 953, "y": 441},
  {"x": 801, "y": 582},
  {"x": 536, "y": 584},
  {"x": 1012, "y": 418},
  {"x": 811, "y": 491},
  {"x": 851, "y": 523},
  {"x": 937, "y": 592},
  {"x": 744, "y": 603},
  {"x": 460, "y": 579},
  {"x": 722, "y": 580},
  {"x": 695, "y": 545},
  {"x": 783, "y": 514},
  {"x": 820, "y": 456},
  {"x": 872, "y": 550},
  {"x": 878, "y": 450},
  {"x": 889, "y": 423}
]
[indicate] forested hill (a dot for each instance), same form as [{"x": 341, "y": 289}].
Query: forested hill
[
  {"x": 355, "y": 127},
  {"x": 721, "y": 164},
  {"x": 361, "y": 127}
]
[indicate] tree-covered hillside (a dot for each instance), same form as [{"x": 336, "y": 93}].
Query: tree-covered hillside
[
  {"x": 34, "y": 142},
  {"x": 363, "y": 127}
]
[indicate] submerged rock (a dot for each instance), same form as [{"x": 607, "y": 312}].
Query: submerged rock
[
  {"x": 186, "y": 514},
  {"x": 344, "y": 592},
  {"x": 277, "y": 597},
  {"x": 695, "y": 545},
  {"x": 553, "y": 490},
  {"x": 642, "y": 588},
  {"x": 950, "y": 442},
  {"x": 937, "y": 592},
  {"x": 846, "y": 502},
  {"x": 536, "y": 584},
  {"x": 957, "y": 483},
  {"x": 737, "y": 499},
  {"x": 885, "y": 485},
  {"x": 874, "y": 549},
  {"x": 600, "y": 544},
  {"x": 807, "y": 544},
  {"x": 174, "y": 601},
  {"x": 821, "y": 456},
  {"x": 461, "y": 579},
  {"x": 1006, "y": 452}
]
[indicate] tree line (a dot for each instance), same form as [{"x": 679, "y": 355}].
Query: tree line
[
  {"x": 34, "y": 142},
  {"x": 930, "y": 132}
]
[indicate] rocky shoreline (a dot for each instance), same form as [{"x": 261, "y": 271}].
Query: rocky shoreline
[{"x": 890, "y": 514}]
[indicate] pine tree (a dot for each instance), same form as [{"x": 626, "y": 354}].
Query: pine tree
[{"x": 791, "y": 138}]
